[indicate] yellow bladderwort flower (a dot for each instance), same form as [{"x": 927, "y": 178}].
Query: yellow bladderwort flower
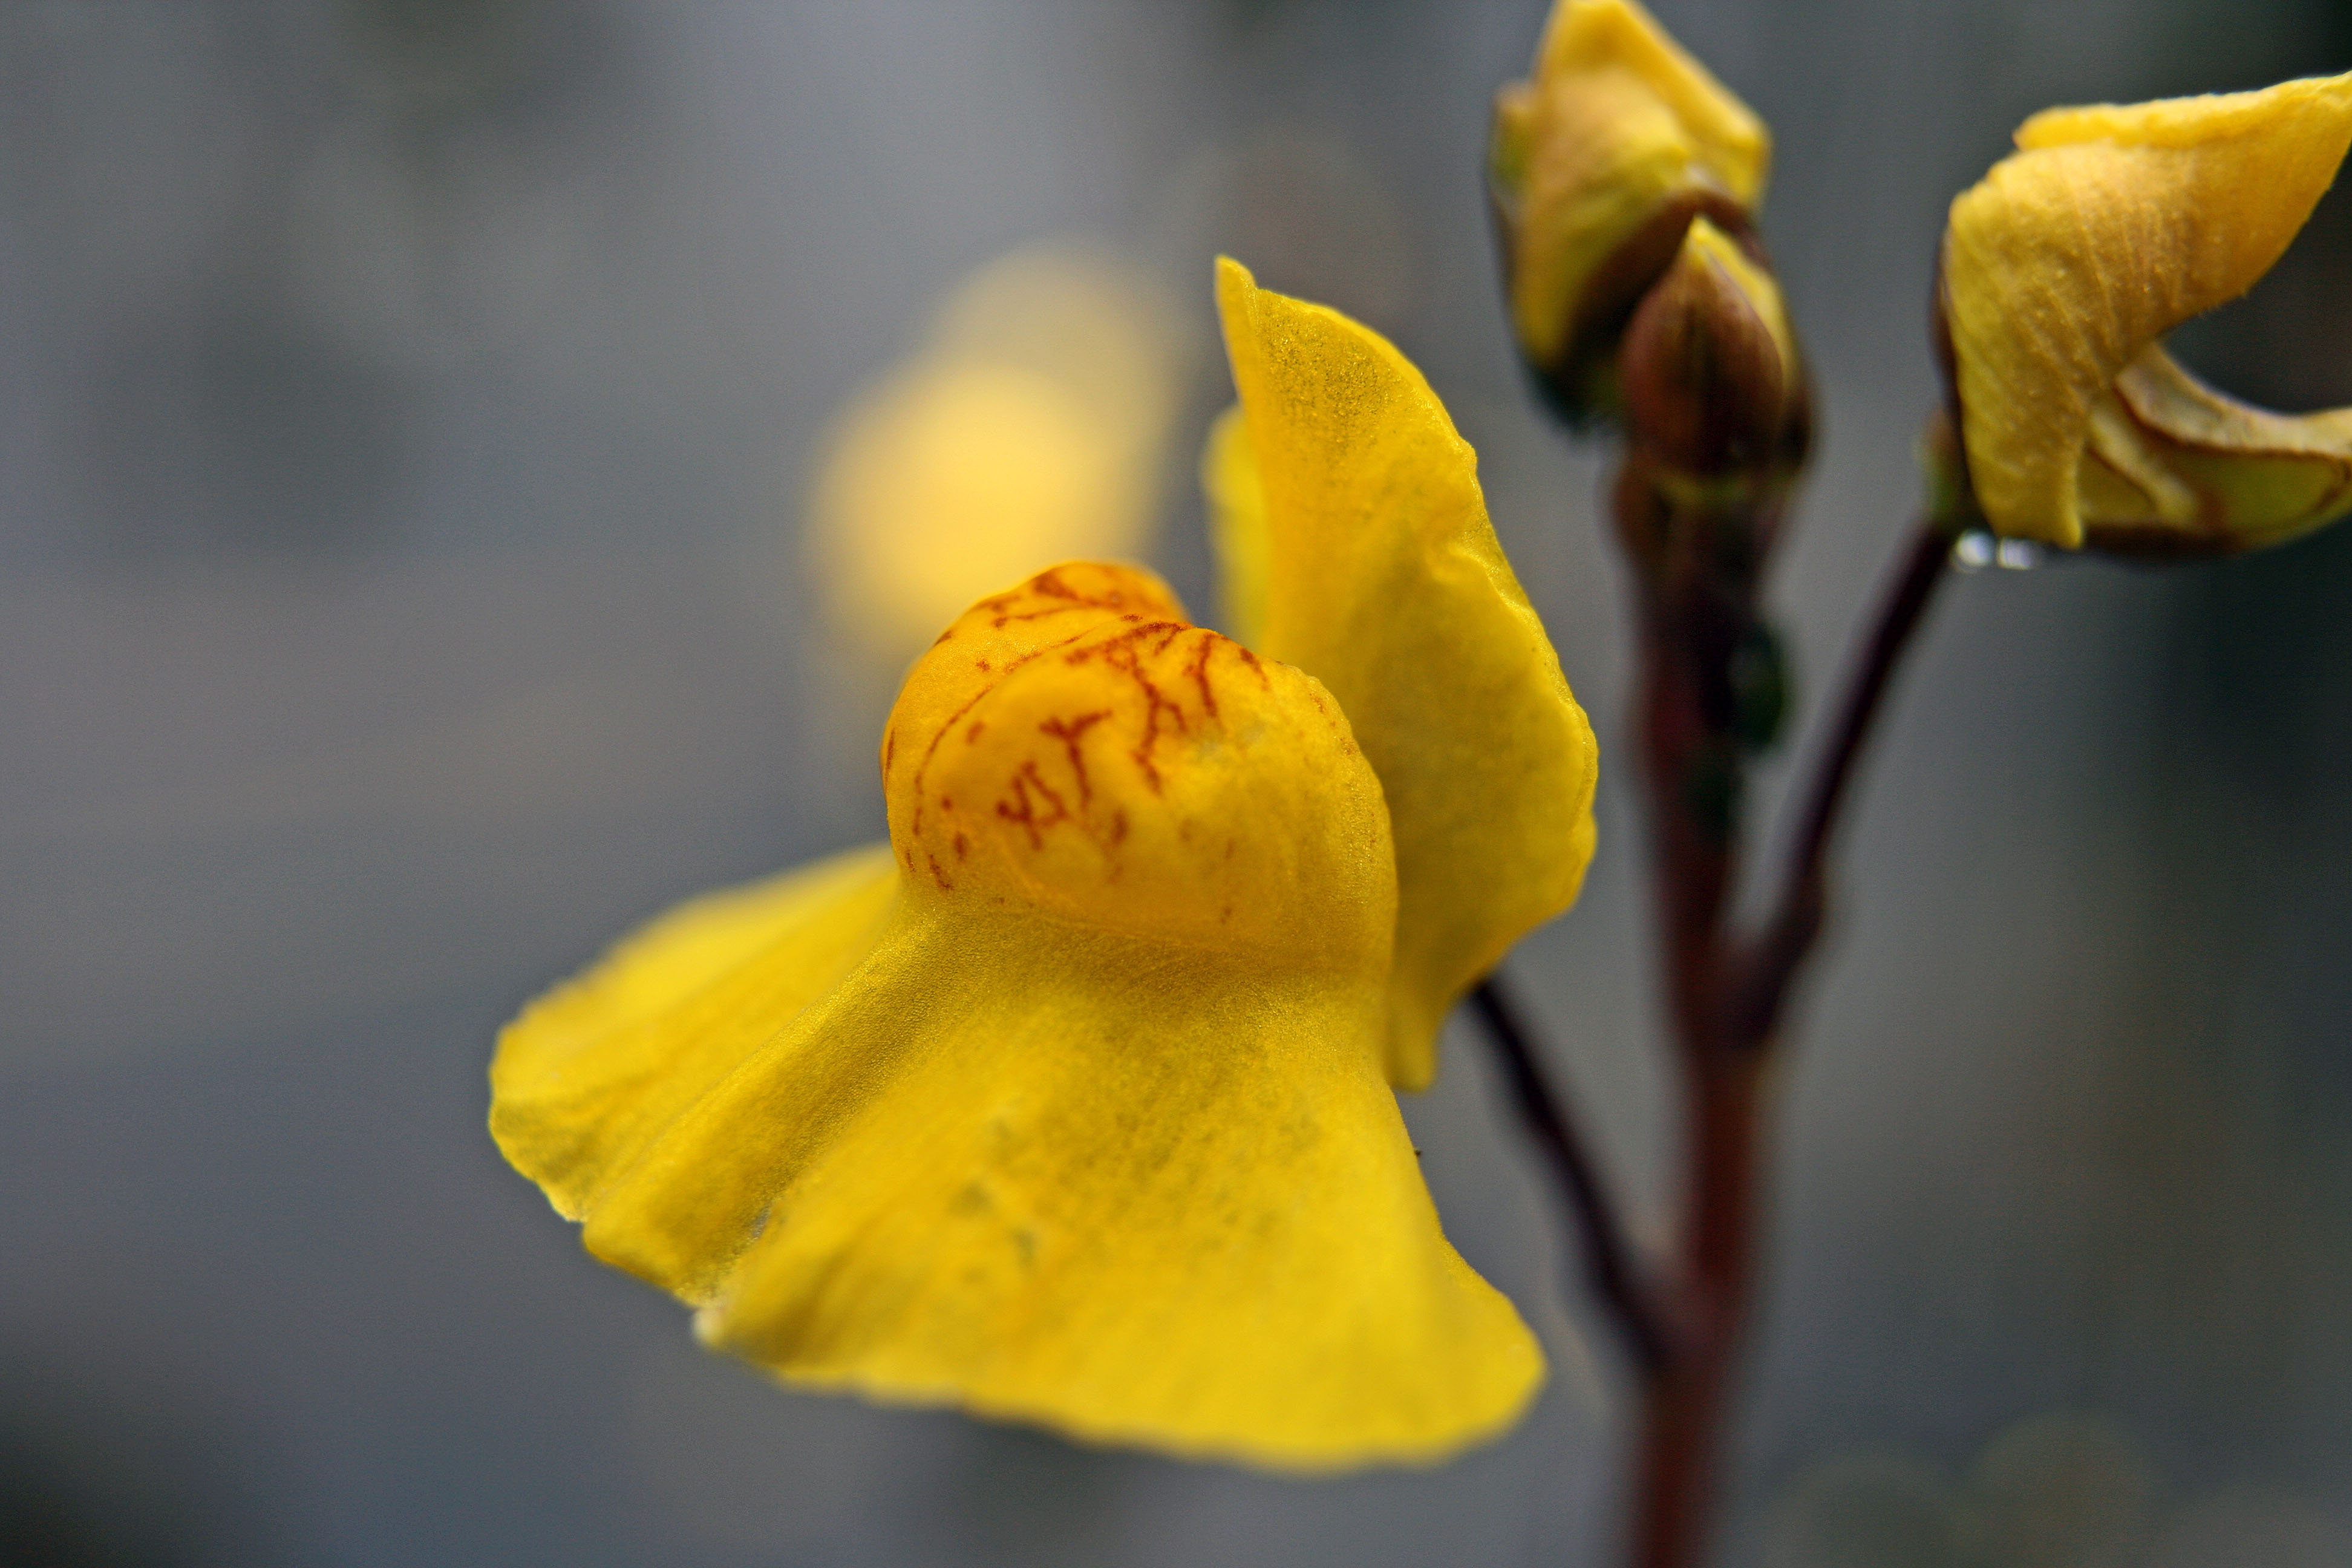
[
  {"x": 1073, "y": 1104},
  {"x": 1597, "y": 164},
  {"x": 2063, "y": 270}
]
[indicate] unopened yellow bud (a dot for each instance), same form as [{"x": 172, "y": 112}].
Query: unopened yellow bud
[
  {"x": 2065, "y": 266},
  {"x": 1597, "y": 165}
]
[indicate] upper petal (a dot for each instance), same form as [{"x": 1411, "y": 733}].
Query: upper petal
[
  {"x": 2107, "y": 229},
  {"x": 1386, "y": 582},
  {"x": 1237, "y": 526}
]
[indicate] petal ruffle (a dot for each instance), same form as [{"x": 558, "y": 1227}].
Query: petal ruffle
[
  {"x": 596, "y": 1068},
  {"x": 1385, "y": 582},
  {"x": 2108, "y": 227}
]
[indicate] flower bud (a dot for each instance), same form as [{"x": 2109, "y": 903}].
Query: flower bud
[
  {"x": 1712, "y": 377},
  {"x": 2062, "y": 269},
  {"x": 1597, "y": 165}
]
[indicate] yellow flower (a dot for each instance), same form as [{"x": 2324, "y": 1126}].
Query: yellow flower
[
  {"x": 1597, "y": 164},
  {"x": 1073, "y": 1104},
  {"x": 2063, "y": 270}
]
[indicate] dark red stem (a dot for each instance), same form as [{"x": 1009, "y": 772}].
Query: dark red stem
[
  {"x": 1684, "y": 1323},
  {"x": 1609, "y": 1261}
]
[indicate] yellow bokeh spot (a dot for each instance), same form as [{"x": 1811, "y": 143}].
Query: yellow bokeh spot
[{"x": 1030, "y": 428}]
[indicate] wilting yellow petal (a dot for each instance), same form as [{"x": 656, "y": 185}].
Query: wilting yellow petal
[
  {"x": 2177, "y": 469},
  {"x": 1237, "y": 531},
  {"x": 1617, "y": 127},
  {"x": 598, "y": 1065},
  {"x": 1096, "y": 1134},
  {"x": 2108, "y": 227},
  {"x": 1385, "y": 582}
]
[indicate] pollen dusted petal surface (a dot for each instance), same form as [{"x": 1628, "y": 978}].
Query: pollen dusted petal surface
[
  {"x": 594, "y": 1068},
  {"x": 1386, "y": 583},
  {"x": 2108, "y": 227},
  {"x": 1096, "y": 1134}
]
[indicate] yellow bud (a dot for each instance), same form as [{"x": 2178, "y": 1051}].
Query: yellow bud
[
  {"x": 1076, "y": 747},
  {"x": 2062, "y": 269},
  {"x": 1597, "y": 165}
]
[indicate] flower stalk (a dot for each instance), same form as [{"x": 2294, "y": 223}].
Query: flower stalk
[
  {"x": 1709, "y": 387},
  {"x": 1700, "y": 622}
]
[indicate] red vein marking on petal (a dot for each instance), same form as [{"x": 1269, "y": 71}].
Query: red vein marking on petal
[
  {"x": 914, "y": 827},
  {"x": 1119, "y": 653},
  {"x": 1198, "y": 670},
  {"x": 1069, "y": 733},
  {"x": 1024, "y": 810}
]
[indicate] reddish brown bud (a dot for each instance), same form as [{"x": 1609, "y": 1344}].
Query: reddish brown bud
[{"x": 1713, "y": 385}]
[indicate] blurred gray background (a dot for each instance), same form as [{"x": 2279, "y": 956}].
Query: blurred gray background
[{"x": 406, "y": 415}]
